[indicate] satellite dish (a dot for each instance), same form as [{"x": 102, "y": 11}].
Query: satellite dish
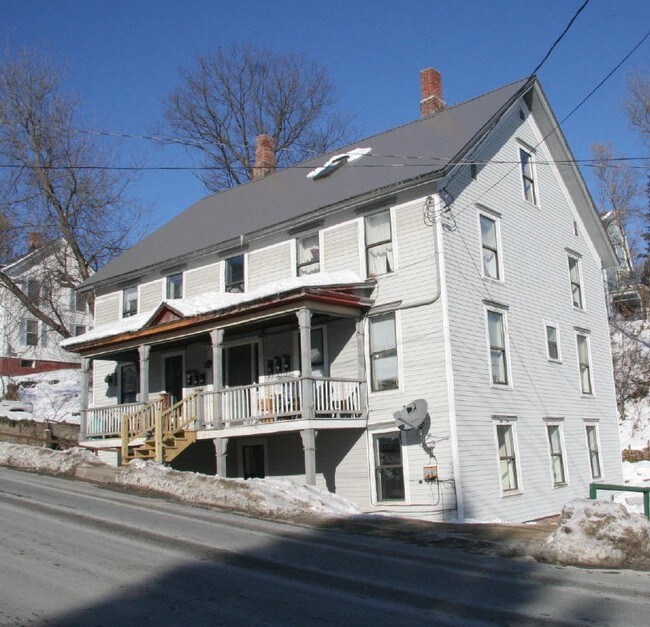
[{"x": 411, "y": 416}]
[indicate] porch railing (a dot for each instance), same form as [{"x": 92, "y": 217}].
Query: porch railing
[
  {"x": 264, "y": 402},
  {"x": 282, "y": 400}
]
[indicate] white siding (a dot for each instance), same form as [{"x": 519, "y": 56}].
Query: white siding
[
  {"x": 107, "y": 308},
  {"x": 203, "y": 279},
  {"x": 536, "y": 288},
  {"x": 341, "y": 248},
  {"x": 269, "y": 265},
  {"x": 151, "y": 295}
]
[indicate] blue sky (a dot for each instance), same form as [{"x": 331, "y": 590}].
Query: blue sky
[{"x": 122, "y": 58}]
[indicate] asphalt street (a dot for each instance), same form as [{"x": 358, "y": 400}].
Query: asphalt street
[{"x": 73, "y": 553}]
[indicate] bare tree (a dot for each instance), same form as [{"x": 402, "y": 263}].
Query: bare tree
[
  {"x": 637, "y": 103},
  {"x": 55, "y": 181},
  {"x": 241, "y": 92}
]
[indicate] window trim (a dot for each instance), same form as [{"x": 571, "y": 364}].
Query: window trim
[
  {"x": 496, "y": 219},
  {"x": 366, "y": 247},
  {"x": 298, "y": 266},
  {"x": 511, "y": 422},
  {"x": 168, "y": 284},
  {"x": 27, "y": 333},
  {"x": 589, "y": 365},
  {"x": 243, "y": 282},
  {"x": 127, "y": 313},
  {"x": 374, "y": 491},
  {"x": 598, "y": 451},
  {"x": 506, "y": 351},
  {"x": 557, "y": 423},
  {"x": 395, "y": 315},
  {"x": 581, "y": 283},
  {"x": 554, "y": 325},
  {"x": 522, "y": 150}
]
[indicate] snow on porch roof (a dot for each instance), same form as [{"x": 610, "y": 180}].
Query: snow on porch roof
[{"x": 212, "y": 302}]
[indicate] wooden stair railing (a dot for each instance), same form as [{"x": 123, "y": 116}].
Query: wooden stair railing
[{"x": 168, "y": 435}]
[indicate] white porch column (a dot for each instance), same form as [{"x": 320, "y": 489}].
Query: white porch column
[
  {"x": 83, "y": 401},
  {"x": 216, "y": 337},
  {"x": 221, "y": 448},
  {"x": 309, "y": 445},
  {"x": 361, "y": 365},
  {"x": 304, "y": 323},
  {"x": 144, "y": 350}
]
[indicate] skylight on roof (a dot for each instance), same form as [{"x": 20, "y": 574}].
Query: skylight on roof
[{"x": 337, "y": 162}]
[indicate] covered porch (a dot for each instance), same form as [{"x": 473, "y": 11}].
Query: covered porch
[{"x": 294, "y": 363}]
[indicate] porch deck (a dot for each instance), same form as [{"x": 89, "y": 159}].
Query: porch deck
[{"x": 248, "y": 405}]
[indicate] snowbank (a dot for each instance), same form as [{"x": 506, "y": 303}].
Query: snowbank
[
  {"x": 269, "y": 498},
  {"x": 599, "y": 534},
  {"x": 283, "y": 500},
  {"x": 63, "y": 463}
]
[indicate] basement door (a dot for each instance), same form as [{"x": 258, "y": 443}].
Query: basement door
[{"x": 174, "y": 378}]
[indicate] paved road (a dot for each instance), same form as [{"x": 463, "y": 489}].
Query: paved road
[{"x": 75, "y": 554}]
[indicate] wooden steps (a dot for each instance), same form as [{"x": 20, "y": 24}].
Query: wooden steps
[{"x": 173, "y": 445}]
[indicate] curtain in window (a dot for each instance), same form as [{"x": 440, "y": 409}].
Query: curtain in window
[
  {"x": 489, "y": 240},
  {"x": 497, "y": 347},
  {"x": 585, "y": 369},
  {"x": 507, "y": 460},
  {"x": 378, "y": 243},
  {"x": 557, "y": 463}
]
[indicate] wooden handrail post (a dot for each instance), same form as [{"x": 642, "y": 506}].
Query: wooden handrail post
[
  {"x": 158, "y": 436},
  {"x": 125, "y": 437}
]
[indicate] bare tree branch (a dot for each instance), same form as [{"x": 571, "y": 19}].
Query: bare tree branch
[{"x": 240, "y": 92}]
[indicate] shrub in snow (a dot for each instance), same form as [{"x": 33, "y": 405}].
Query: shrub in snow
[{"x": 599, "y": 534}]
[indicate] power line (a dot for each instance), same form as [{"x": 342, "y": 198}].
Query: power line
[
  {"x": 462, "y": 162},
  {"x": 557, "y": 126}
]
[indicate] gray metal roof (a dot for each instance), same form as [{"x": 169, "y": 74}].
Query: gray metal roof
[{"x": 420, "y": 149}]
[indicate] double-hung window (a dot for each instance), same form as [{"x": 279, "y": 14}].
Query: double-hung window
[
  {"x": 234, "y": 275},
  {"x": 34, "y": 290},
  {"x": 129, "y": 302},
  {"x": 490, "y": 247},
  {"x": 576, "y": 282},
  {"x": 379, "y": 244},
  {"x": 556, "y": 451},
  {"x": 584, "y": 364},
  {"x": 383, "y": 353},
  {"x": 389, "y": 469},
  {"x": 528, "y": 176},
  {"x": 307, "y": 255},
  {"x": 594, "y": 451},
  {"x": 553, "y": 342},
  {"x": 174, "y": 286},
  {"x": 30, "y": 332},
  {"x": 498, "y": 345},
  {"x": 508, "y": 465}
]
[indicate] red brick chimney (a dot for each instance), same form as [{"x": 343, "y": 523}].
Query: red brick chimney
[
  {"x": 431, "y": 85},
  {"x": 34, "y": 241},
  {"x": 264, "y": 156}
]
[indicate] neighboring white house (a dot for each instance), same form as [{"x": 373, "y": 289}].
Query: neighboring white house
[
  {"x": 626, "y": 293},
  {"x": 28, "y": 345},
  {"x": 287, "y": 327}
]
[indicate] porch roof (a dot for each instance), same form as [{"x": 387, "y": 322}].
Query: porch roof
[{"x": 342, "y": 289}]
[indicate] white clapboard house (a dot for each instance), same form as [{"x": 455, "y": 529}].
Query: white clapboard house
[{"x": 416, "y": 322}]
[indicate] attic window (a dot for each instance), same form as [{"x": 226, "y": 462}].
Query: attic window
[{"x": 336, "y": 163}]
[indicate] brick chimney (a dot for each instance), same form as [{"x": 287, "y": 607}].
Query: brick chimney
[
  {"x": 34, "y": 241},
  {"x": 264, "y": 156},
  {"x": 431, "y": 85}
]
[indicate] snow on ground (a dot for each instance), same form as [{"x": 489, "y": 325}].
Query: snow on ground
[
  {"x": 53, "y": 396},
  {"x": 280, "y": 499},
  {"x": 598, "y": 534}
]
